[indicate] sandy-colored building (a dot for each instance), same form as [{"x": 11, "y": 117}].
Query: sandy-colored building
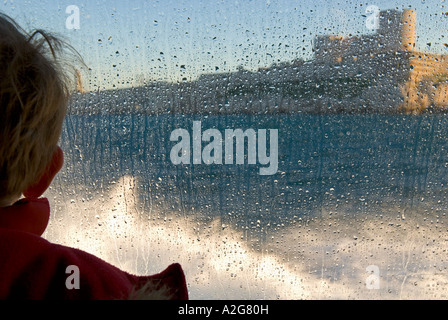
[{"x": 424, "y": 75}]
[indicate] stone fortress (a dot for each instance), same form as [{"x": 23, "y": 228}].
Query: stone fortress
[
  {"x": 381, "y": 72},
  {"x": 396, "y": 32},
  {"x": 422, "y": 76}
]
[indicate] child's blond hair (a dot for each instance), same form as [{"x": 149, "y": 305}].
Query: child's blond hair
[{"x": 34, "y": 94}]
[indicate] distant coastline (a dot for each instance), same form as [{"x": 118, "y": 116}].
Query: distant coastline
[{"x": 380, "y": 73}]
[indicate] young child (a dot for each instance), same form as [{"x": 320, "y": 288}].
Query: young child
[{"x": 33, "y": 98}]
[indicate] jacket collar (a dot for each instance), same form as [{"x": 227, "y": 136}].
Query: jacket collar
[{"x": 30, "y": 216}]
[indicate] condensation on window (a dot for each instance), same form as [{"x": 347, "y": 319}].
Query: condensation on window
[{"x": 275, "y": 149}]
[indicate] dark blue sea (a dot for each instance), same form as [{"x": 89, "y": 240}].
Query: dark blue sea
[{"x": 351, "y": 191}]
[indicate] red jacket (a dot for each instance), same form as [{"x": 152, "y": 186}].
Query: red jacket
[{"x": 32, "y": 268}]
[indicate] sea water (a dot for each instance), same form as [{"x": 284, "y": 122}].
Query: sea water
[{"x": 357, "y": 208}]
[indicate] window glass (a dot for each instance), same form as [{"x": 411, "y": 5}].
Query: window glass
[{"x": 275, "y": 149}]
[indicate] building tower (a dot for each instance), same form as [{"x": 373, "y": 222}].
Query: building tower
[
  {"x": 390, "y": 31},
  {"x": 408, "y": 30}
]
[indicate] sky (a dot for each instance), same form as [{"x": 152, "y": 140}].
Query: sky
[{"x": 128, "y": 43}]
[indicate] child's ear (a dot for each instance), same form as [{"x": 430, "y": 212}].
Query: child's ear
[{"x": 37, "y": 190}]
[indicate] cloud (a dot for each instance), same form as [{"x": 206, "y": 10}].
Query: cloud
[{"x": 321, "y": 258}]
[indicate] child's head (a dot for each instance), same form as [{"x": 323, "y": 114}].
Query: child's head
[{"x": 33, "y": 100}]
